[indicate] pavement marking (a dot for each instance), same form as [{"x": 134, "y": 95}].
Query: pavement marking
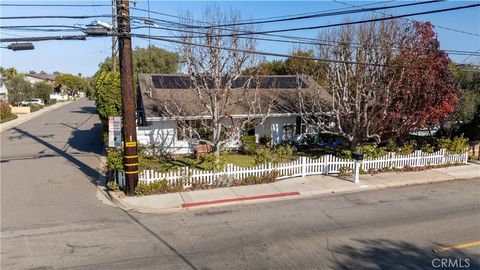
[
  {"x": 185, "y": 205},
  {"x": 457, "y": 246}
]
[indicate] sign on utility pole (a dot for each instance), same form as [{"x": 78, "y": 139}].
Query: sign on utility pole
[
  {"x": 129, "y": 130},
  {"x": 114, "y": 131}
]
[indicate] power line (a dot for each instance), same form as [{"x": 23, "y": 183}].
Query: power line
[
  {"x": 436, "y": 25},
  {"x": 76, "y": 37},
  {"x": 323, "y": 14},
  {"x": 266, "y": 18},
  {"x": 53, "y": 5},
  {"x": 348, "y": 23},
  {"x": 55, "y": 17},
  {"x": 316, "y": 43},
  {"x": 468, "y": 57}
]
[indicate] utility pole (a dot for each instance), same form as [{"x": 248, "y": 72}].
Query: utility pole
[
  {"x": 114, "y": 37},
  {"x": 129, "y": 128}
]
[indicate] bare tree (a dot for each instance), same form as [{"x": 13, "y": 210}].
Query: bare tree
[
  {"x": 214, "y": 76},
  {"x": 360, "y": 80}
]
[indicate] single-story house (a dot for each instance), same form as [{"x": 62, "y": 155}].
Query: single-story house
[
  {"x": 160, "y": 126},
  {"x": 39, "y": 77}
]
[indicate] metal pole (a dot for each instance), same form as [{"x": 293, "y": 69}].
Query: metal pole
[
  {"x": 356, "y": 173},
  {"x": 129, "y": 128}
]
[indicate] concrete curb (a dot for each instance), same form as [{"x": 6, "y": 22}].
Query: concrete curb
[{"x": 25, "y": 118}]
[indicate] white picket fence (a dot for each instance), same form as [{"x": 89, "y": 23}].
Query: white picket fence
[{"x": 301, "y": 167}]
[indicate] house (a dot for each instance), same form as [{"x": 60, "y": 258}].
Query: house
[
  {"x": 159, "y": 126},
  {"x": 3, "y": 89},
  {"x": 39, "y": 77}
]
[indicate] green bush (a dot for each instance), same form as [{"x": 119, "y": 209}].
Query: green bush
[
  {"x": 209, "y": 162},
  {"x": 115, "y": 158},
  {"x": 444, "y": 143},
  {"x": 428, "y": 148},
  {"x": 35, "y": 107},
  {"x": 263, "y": 155},
  {"x": 156, "y": 187},
  {"x": 458, "y": 145},
  {"x": 6, "y": 112},
  {"x": 371, "y": 151},
  {"x": 249, "y": 144},
  {"x": 283, "y": 152},
  {"x": 407, "y": 148},
  {"x": 112, "y": 186},
  {"x": 266, "y": 140},
  {"x": 345, "y": 154},
  {"x": 391, "y": 146},
  {"x": 255, "y": 180}
]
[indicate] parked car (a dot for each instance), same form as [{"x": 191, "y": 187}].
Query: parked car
[{"x": 31, "y": 101}]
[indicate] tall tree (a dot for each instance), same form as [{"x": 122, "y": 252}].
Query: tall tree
[
  {"x": 212, "y": 73},
  {"x": 18, "y": 89},
  {"x": 425, "y": 89},
  {"x": 148, "y": 60},
  {"x": 43, "y": 90}
]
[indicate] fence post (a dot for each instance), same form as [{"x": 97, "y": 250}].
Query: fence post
[
  {"x": 465, "y": 161},
  {"x": 418, "y": 159},
  {"x": 325, "y": 169},
  {"x": 442, "y": 152},
  {"x": 304, "y": 166},
  {"x": 356, "y": 174}
]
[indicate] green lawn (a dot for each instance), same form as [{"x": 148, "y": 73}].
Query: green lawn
[{"x": 165, "y": 164}]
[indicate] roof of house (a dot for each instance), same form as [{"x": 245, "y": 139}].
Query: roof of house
[
  {"x": 170, "y": 96},
  {"x": 46, "y": 77}
]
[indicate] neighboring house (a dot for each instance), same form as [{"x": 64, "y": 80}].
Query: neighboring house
[
  {"x": 157, "y": 125},
  {"x": 35, "y": 78},
  {"x": 59, "y": 96},
  {"x": 3, "y": 89}
]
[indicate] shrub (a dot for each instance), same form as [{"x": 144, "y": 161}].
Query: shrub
[
  {"x": 283, "y": 152},
  {"x": 157, "y": 187},
  {"x": 115, "y": 158},
  {"x": 458, "y": 145},
  {"x": 248, "y": 144},
  {"x": 407, "y": 148},
  {"x": 6, "y": 112},
  {"x": 391, "y": 146},
  {"x": 211, "y": 164},
  {"x": 428, "y": 148},
  {"x": 370, "y": 151},
  {"x": 263, "y": 155},
  {"x": 443, "y": 143},
  {"x": 254, "y": 180},
  {"x": 345, "y": 171},
  {"x": 35, "y": 107},
  {"x": 345, "y": 154},
  {"x": 112, "y": 186},
  {"x": 266, "y": 140}
]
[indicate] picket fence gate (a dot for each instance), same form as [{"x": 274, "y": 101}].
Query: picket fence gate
[{"x": 301, "y": 167}]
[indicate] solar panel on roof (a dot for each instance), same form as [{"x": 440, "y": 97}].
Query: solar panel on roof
[{"x": 183, "y": 82}]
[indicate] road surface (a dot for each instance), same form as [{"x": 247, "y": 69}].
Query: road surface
[{"x": 51, "y": 217}]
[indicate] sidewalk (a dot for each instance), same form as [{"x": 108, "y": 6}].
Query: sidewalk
[
  {"x": 22, "y": 118},
  {"x": 289, "y": 188}
]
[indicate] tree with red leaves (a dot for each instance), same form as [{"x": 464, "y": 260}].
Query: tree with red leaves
[{"x": 425, "y": 90}]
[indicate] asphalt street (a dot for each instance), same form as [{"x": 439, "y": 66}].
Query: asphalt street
[{"x": 52, "y": 217}]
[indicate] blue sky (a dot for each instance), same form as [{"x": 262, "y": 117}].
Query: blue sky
[{"x": 84, "y": 56}]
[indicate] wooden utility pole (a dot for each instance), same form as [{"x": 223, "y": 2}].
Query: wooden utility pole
[
  {"x": 114, "y": 37},
  {"x": 129, "y": 128}
]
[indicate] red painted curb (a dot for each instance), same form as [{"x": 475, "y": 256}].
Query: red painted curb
[{"x": 185, "y": 205}]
